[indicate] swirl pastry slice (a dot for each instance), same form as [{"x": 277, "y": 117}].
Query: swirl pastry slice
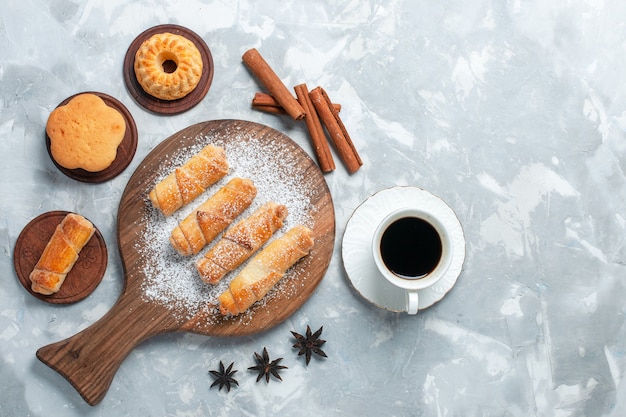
[
  {"x": 265, "y": 269},
  {"x": 190, "y": 180},
  {"x": 61, "y": 253},
  {"x": 241, "y": 241},
  {"x": 202, "y": 225}
]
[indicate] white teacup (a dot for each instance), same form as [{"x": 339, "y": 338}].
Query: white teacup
[{"x": 412, "y": 249}]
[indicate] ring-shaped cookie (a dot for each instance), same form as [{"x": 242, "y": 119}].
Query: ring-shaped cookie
[
  {"x": 168, "y": 66},
  {"x": 168, "y": 107}
]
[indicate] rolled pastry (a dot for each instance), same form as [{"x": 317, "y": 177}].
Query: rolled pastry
[
  {"x": 190, "y": 180},
  {"x": 241, "y": 241},
  {"x": 61, "y": 253},
  {"x": 265, "y": 269},
  {"x": 203, "y": 224}
]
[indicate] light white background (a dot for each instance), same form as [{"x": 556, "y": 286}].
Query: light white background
[{"x": 512, "y": 112}]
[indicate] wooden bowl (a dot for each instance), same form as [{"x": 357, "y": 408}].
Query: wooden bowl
[
  {"x": 82, "y": 279},
  {"x": 168, "y": 107},
  {"x": 125, "y": 151}
]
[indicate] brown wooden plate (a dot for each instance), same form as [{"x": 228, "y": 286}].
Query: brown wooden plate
[
  {"x": 82, "y": 279},
  {"x": 157, "y": 105},
  {"x": 89, "y": 359},
  {"x": 125, "y": 151}
]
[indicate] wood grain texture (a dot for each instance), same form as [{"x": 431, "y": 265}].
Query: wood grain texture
[
  {"x": 168, "y": 107},
  {"x": 89, "y": 359},
  {"x": 82, "y": 279},
  {"x": 125, "y": 151}
]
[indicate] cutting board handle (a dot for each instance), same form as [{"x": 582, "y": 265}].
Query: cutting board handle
[{"x": 90, "y": 358}]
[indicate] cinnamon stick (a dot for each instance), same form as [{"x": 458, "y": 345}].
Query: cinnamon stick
[
  {"x": 336, "y": 129},
  {"x": 270, "y": 109},
  {"x": 267, "y": 103},
  {"x": 263, "y": 100},
  {"x": 316, "y": 131},
  {"x": 260, "y": 68}
]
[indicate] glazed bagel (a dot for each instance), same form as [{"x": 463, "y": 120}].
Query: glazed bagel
[{"x": 168, "y": 66}]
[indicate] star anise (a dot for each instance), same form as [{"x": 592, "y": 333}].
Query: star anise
[
  {"x": 224, "y": 377},
  {"x": 265, "y": 367},
  {"x": 309, "y": 344}
]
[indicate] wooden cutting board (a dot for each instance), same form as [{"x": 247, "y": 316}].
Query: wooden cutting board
[{"x": 90, "y": 359}]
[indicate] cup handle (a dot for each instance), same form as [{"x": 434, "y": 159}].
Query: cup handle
[{"x": 412, "y": 302}]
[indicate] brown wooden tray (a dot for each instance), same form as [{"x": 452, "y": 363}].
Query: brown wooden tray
[
  {"x": 125, "y": 151},
  {"x": 82, "y": 279},
  {"x": 89, "y": 359},
  {"x": 168, "y": 107}
]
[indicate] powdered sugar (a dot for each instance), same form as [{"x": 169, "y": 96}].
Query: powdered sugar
[{"x": 172, "y": 280}]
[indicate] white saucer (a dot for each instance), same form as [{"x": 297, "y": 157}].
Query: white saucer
[{"x": 357, "y": 255}]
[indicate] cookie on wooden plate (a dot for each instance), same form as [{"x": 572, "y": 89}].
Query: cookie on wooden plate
[{"x": 85, "y": 133}]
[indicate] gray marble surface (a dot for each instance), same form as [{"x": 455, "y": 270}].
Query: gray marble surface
[{"x": 512, "y": 112}]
